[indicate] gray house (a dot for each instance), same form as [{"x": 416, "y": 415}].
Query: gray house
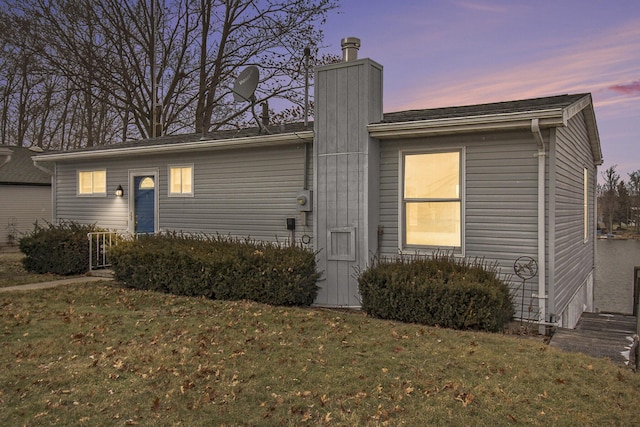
[
  {"x": 499, "y": 181},
  {"x": 25, "y": 194}
]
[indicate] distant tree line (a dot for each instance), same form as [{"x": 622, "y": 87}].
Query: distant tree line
[
  {"x": 77, "y": 73},
  {"x": 619, "y": 201}
]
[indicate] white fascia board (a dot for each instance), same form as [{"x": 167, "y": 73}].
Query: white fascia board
[
  {"x": 505, "y": 121},
  {"x": 202, "y": 145}
]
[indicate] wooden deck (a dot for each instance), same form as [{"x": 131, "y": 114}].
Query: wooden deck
[{"x": 600, "y": 335}]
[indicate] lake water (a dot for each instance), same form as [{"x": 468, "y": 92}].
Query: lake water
[{"x": 613, "y": 288}]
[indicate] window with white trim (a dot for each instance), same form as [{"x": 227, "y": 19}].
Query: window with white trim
[
  {"x": 92, "y": 182},
  {"x": 181, "y": 180},
  {"x": 431, "y": 199}
]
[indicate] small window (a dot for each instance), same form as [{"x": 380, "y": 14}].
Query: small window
[
  {"x": 431, "y": 200},
  {"x": 92, "y": 183},
  {"x": 181, "y": 180}
]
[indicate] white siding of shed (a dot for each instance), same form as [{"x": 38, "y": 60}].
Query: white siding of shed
[{"x": 20, "y": 207}]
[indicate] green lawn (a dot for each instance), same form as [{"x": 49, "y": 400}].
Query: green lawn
[
  {"x": 12, "y": 273},
  {"x": 98, "y": 354}
]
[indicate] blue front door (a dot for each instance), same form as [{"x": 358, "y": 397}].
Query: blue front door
[{"x": 144, "y": 204}]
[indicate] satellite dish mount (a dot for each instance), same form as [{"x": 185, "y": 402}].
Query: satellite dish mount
[{"x": 244, "y": 89}]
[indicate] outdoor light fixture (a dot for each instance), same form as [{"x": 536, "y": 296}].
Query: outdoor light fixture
[{"x": 119, "y": 191}]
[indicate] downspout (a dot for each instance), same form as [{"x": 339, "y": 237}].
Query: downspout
[{"x": 542, "y": 268}]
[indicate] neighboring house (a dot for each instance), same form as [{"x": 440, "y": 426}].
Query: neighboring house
[
  {"x": 25, "y": 194},
  {"x": 495, "y": 181}
]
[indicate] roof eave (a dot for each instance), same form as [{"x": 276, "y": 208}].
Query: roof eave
[
  {"x": 202, "y": 145},
  {"x": 488, "y": 122}
]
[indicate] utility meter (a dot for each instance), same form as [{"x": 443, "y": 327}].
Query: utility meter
[{"x": 304, "y": 200}]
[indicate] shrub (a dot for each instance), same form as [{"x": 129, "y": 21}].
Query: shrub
[
  {"x": 218, "y": 267},
  {"x": 57, "y": 248},
  {"x": 440, "y": 290}
]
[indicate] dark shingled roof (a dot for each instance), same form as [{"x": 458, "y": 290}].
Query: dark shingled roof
[
  {"x": 536, "y": 104},
  {"x": 194, "y": 137},
  {"x": 20, "y": 169}
]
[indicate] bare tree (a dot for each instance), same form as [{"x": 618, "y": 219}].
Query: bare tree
[
  {"x": 113, "y": 70},
  {"x": 634, "y": 191},
  {"x": 609, "y": 195}
]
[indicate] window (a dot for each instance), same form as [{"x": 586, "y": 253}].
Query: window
[
  {"x": 92, "y": 183},
  {"x": 585, "y": 203},
  {"x": 431, "y": 199},
  {"x": 181, "y": 180}
]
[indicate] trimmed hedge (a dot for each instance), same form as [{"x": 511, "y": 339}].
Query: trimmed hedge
[
  {"x": 58, "y": 248},
  {"x": 441, "y": 290},
  {"x": 218, "y": 268}
]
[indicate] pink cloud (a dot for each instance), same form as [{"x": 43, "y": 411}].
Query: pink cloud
[{"x": 627, "y": 89}]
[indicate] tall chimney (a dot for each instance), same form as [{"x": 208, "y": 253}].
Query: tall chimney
[
  {"x": 348, "y": 97},
  {"x": 350, "y": 46}
]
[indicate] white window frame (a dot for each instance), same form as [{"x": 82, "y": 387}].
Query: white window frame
[
  {"x": 411, "y": 249},
  {"x": 169, "y": 177},
  {"x": 93, "y": 193}
]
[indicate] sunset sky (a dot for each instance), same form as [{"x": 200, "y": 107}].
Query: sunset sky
[{"x": 439, "y": 53}]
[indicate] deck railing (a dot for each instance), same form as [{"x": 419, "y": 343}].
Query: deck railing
[
  {"x": 99, "y": 245},
  {"x": 635, "y": 348}
]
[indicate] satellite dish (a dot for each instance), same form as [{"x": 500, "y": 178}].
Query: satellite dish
[{"x": 246, "y": 84}]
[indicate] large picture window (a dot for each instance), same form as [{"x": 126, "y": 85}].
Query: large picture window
[
  {"x": 92, "y": 183},
  {"x": 181, "y": 180},
  {"x": 431, "y": 199}
]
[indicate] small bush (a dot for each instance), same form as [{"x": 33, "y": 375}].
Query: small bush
[
  {"x": 218, "y": 267},
  {"x": 57, "y": 248},
  {"x": 440, "y": 290}
]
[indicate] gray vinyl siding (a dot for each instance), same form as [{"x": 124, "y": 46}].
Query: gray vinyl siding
[
  {"x": 21, "y": 207},
  {"x": 573, "y": 257},
  {"x": 106, "y": 211},
  {"x": 237, "y": 192},
  {"x": 500, "y": 200}
]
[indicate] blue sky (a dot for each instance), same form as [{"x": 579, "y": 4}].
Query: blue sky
[{"x": 439, "y": 53}]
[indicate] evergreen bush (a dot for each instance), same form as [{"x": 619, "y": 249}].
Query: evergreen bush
[
  {"x": 218, "y": 267},
  {"x": 60, "y": 248},
  {"x": 440, "y": 290}
]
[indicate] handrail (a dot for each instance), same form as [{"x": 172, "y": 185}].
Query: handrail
[{"x": 100, "y": 243}]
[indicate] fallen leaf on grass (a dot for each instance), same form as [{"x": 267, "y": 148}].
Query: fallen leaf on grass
[{"x": 465, "y": 398}]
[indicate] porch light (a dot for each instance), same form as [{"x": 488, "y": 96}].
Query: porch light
[{"x": 119, "y": 191}]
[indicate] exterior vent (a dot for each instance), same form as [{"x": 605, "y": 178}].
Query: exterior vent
[{"x": 350, "y": 46}]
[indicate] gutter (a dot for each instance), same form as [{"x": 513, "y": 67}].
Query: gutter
[
  {"x": 542, "y": 268},
  {"x": 5, "y": 152},
  {"x": 487, "y": 122},
  {"x": 246, "y": 142},
  {"x": 44, "y": 169}
]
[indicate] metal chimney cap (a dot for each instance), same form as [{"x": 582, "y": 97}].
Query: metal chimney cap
[{"x": 350, "y": 46}]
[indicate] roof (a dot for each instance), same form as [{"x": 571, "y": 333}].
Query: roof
[
  {"x": 552, "y": 111},
  {"x": 527, "y": 114},
  {"x": 275, "y": 135},
  {"x": 508, "y": 107},
  {"x": 16, "y": 167}
]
